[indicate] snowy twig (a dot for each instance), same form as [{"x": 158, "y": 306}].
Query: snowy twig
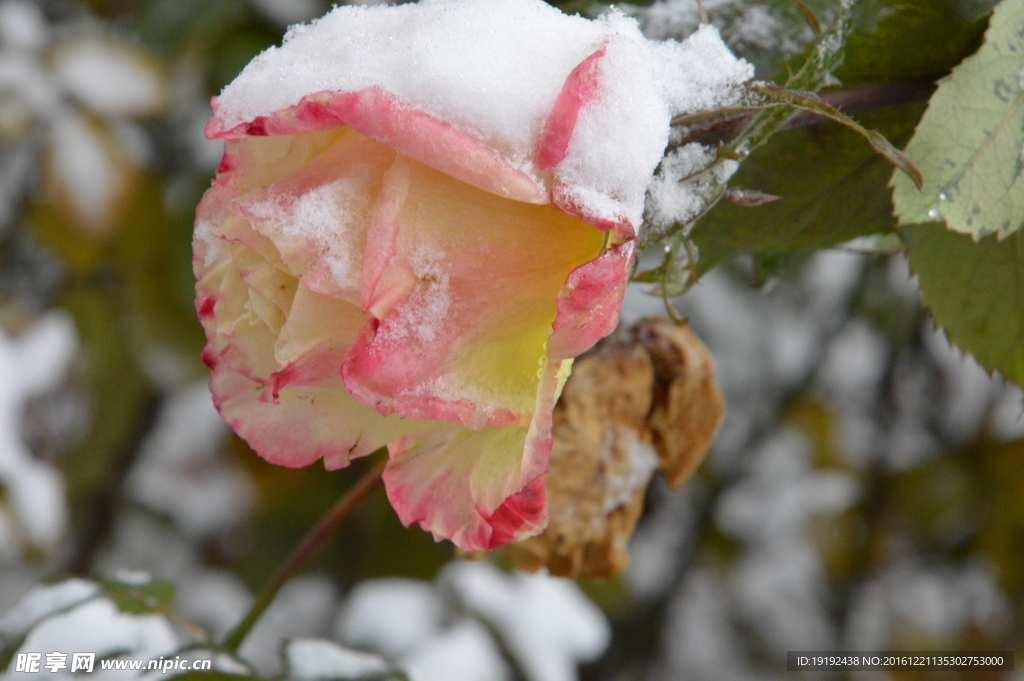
[
  {"x": 717, "y": 127},
  {"x": 814, "y": 73}
]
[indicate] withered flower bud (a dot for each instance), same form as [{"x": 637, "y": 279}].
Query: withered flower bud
[{"x": 643, "y": 400}]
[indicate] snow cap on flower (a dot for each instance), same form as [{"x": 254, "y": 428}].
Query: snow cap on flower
[
  {"x": 589, "y": 101},
  {"x": 423, "y": 214}
]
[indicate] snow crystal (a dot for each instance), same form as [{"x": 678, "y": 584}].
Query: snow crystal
[
  {"x": 685, "y": 183},
  {"x": 495, "y": 70},
  {"x": 314, "y": 659},
  {"x": 492, "y": 67},
  {"x": 326, "y": 216},
  {"x": 629, "y": 109},
  {"x": 699, "y": 73},
  {"x": 368, "y": 618},
  {"x": 547, "y": 623}
]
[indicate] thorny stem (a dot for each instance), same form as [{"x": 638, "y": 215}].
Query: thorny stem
[{"x": 309, "y": 544}]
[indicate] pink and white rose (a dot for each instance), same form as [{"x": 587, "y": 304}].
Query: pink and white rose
[{"x": 423, "y": 213}]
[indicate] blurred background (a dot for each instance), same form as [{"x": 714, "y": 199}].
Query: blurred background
[{"x": 865, "y": 490}]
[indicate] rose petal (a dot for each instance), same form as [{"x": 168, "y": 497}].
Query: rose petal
[
  {"x": 466, "y": 341},
  {"x": 387, "y": 276},
  {"x": 275, "y": 348},
  {"x": 579, "y": 88},
  {"x": 302, "y": 427},
  {"x": 479, "y": 488},
  {"x": 387, "y": 119},
  {"x": 588, "y": 306},
  {"x": 317, "y": 216}
]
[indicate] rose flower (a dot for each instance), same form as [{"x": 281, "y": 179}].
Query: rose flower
[{"x": 423, "y": 213}]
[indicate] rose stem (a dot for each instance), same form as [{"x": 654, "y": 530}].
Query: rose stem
[{"x": 309, "y": 544}]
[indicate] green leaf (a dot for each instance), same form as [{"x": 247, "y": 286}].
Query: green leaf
[
  {"x": 809, "y": 16},
  {"x": 832, "y": 189},
  {"x": 140, "y": 599},
  {"x": 911, "y": 39},
  {"x": 969, "y": 142},
  {"x": 775, "y": 96},
  {"x": 975, "y": 291}
]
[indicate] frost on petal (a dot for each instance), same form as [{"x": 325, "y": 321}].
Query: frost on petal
[
  {"x": 317, "y": 215},
  {"x": 465, "y": 342},
  {"x": 275, "y": 346}
]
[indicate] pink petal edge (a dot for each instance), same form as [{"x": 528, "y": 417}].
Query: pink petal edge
[
  {"x": 394, "y": 123},
  {"x": 428, "y": 501},
  {"x": 386, "y": 275},
  {"x": 588, "y": 304},
  {"x": 579, "y": 89}
]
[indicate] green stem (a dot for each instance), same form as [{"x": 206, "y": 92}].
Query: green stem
[{"x": 309, "y": 544}]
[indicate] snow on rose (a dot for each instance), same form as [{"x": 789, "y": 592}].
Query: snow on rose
[{"x": 423, "y": 213}]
